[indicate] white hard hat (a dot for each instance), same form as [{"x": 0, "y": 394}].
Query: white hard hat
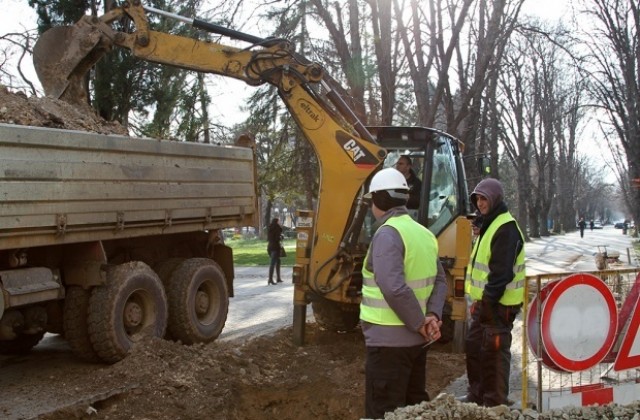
[{"x": 387, "y": 179}]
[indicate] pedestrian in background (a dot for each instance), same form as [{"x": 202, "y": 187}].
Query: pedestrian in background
[
  {"x": 582, "y": 225},
  {"x": 403, "y": 294},
  {"x": 274, "y": 244},
  {"x": 495, "y": 284}
]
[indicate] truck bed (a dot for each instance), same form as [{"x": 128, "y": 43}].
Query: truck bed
[{"x": 62, "y": 186}]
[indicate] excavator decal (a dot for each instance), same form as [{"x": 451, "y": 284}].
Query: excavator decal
[
  {"x": 358, "y": 153},
  {"x": 315, "y": 116}
]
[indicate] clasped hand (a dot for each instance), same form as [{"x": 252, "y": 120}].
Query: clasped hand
[{"x": 430, "y": 330}]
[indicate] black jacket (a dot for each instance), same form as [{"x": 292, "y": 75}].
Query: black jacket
[
  {"x": 415, "y": 187},
  {"x": 274, "y": 235}
]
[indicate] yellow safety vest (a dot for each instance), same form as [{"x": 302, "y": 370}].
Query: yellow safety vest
[
  {"x": 420, "y": 270},
  {"x": 478, "y": 268}
]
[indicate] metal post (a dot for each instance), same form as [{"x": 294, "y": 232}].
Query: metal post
[
  {"x": 539, "y": 361},
  {"x": 299, "y": 324}
]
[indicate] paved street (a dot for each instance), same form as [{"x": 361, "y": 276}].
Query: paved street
[
  {"x": 258, "y": 309},
  {"x": 569, "y": 252}
]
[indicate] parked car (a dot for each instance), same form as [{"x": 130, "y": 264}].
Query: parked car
[
  {"x": 619, "y": 224},
  {"x": 597, "y": 224}
]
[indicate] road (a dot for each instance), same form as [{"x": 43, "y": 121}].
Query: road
[
  {"x": 569, "y": 252},
  {"x": 258, "y": 309}
]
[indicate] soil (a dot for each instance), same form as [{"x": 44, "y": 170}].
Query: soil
[
  {"x": 17, "y": 108},
  {"x": 264, "y": 378},
  {"x": 267, "y": 377}
]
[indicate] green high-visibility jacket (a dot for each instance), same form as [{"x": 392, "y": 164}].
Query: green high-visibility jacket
[
  {"x": 420, "y": 270},
  {"x": 478, "y": 268}
]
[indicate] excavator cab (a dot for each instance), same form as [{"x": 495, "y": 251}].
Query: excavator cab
[{"x": 436, "y": 161}]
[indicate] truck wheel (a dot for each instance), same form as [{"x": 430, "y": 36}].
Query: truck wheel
[
  {"x": 164, "y": 270},
  {"x": 75, "y": 314},
  {"x": 198, "y": 301},
  {"x": 335, "y": 316},
  {"x": 130, "y": 306},
  {"x": 21, "y": 344}
]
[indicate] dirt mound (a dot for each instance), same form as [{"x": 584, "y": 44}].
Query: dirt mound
[
  {"x": 17, "y": 108},
  {"x": 265, "y": 378}
]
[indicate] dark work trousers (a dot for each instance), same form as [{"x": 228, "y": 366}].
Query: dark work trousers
[
  {"x": 395, "y": 377},
  {"x": 488, "y": 356}
]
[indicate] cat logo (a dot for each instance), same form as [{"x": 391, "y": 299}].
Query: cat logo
[
  {"x": 353, "y": 149},
  {"x": 356, "y": 151}
]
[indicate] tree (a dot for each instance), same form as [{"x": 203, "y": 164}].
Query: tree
[{"x": 615, "y": 70}]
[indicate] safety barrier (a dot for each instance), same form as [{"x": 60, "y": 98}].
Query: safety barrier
[{"x": 580, "y": 339}]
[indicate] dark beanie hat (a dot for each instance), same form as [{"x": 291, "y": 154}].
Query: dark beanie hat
[
  {"x": 384, "y": 201},
  {"x": 491, "y": 189}
]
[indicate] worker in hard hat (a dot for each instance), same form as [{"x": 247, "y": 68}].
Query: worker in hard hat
[
  {"x": 403, "y": 294},
  {"x": 495, "y": 284}
]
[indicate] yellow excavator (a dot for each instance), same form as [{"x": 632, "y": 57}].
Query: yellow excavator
[{"x": 332, "y": 239}]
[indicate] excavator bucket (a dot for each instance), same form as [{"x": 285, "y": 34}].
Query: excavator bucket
[{"x": 63, "y": 55}]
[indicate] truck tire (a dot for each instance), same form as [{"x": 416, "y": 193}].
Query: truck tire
[
  {"x": 334, "y": 316},
  {"x": 21, "y": 344},
  {"x": 131, "y": 305},
  {"x": 198, "y": 301},
  {"x": 164, "y": 270},
  {"x": 75, "y": 323}
]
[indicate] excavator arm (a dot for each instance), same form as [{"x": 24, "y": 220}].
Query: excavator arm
[{"x": 346, "y": 151}]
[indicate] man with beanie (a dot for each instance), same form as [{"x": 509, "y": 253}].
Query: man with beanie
[
  {"x": 403, "y": 294},
  {"x": 495, "y": 283}
]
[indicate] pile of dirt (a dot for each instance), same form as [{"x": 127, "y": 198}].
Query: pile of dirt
[
  {"x": 267, "y": 377},
  {"x": 17, "y": 108}
]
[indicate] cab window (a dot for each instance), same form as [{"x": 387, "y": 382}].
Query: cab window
[{"x": 443, "y": 197}]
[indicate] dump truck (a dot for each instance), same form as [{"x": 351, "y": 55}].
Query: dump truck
[
  {"x": 332, "y": 238},
  {"x": 107, "y": 239}
]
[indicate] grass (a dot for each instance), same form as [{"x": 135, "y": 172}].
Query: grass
[{"x": 253, "y": 252}]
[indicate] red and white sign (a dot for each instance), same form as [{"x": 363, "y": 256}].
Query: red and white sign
[
  {"x": 579, "y": 325},
  {"x": 628, "y": 355},
  {"x": 582, "y": 396},
  {"x": 574, "y": 325}
]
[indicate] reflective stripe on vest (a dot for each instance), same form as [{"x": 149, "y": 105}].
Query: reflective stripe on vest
[
  {"x": 478, "y": 269},
  {"x": 420, "y": 270}
]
